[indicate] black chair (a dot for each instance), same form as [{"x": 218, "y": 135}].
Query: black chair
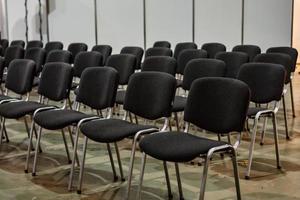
[
  {"x": 19, "y": 80},
  {"x": 4, "y": 44},
  {"x": 13, "y": 52},
  {"x": 293, "y": 53},
  {"x": 54, "y": 45},
  {"x": 164, "y": 44},
  {"x": 251, "y": 50},
  {"x": 142, "y": 99},
  {"x": 234, "y": 61},
  {"x": 218, "y": 105},
  {"x": 182, "y": 46},
  {"x": 105, "y": 50},
  {"x": 38, "y": 55},
  {"x": 76, "y": 48},
  {"x": 2, "y": 68},
  {"x": 138, "y": 52},
  {"x": 266, "y": 82},
  {"x": 34, "y": 44},
  {"x": 286, "y": 61},
  {"x": 58, "y": 56},
  {"x": 158, "y": 51},
  {"x": 187, "y": 55},
  {"x": 213, "y": 48},
  {"x": 20, "y": 43},
  {"x": 160, "y": 64}
]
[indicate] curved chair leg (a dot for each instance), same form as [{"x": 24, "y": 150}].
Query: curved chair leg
[
  {"x": 112, "y": 162},
  {"x": 29, "y": 147},
  {"x": 36, "y": 151},
  {"x": 285, "y": 119},
  {"x": 276, "y": 141},
  {"x": 119, "y": 162},
  {"x": 35, "y": 133},
  {"x": 66, "y": 145},
  {"x": 82, "y": 165},
  {"x": 142, "y": 171},
  {"x": 204, "y": 178},
  {"x": 179, "y": 182},
  {"x": 170, "y": 195},
  {"x": 292, "y": 98},
  {"x": 130, "y": 171},
  {"x": 262, "y": 138},
  {"x": 72, "y": 142},
  {"x": 236, "y": 174}
]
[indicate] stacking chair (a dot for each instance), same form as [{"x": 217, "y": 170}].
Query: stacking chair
[
  {"x": 286, "y": 61},
  {"x": 182, "y": 46},
  {"x": 213, "y": 48},
  {"x": 158, "y": 51},
  {"x": 4, "y": 44},
  {"x": 251, "y": 50},
  {"x": 19, "y": 81},
  {"x": 160, "y": 64},
  {"x": 54, "y": 45},
  {"x": 76, "y": 48},
  {"x": 138, "y": 52},
  {"x": 143, "y": 98},
  {"x": 234, "y": 61},
  {"x": 164, "y": 44},
  {"x": 218, "y": 105},
  {"x": 293, "y": 53},
  {"x": 105, "y": 50},
  {"x": 266, "y": 82},
  {"x": 59, "y": 56},
  {"x": 11, "y": 53},
  {"x": 34, "y": 44},
  {"x": 20, "y": 43}
]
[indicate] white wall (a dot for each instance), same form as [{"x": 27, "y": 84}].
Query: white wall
[
  {"x": 16, "y": 23},
  {"x": 3, "y": 19}
]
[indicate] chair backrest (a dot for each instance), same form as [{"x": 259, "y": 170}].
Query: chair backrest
[
  {"x": 251, "y": 50},
  {"x": 20, "y": 76},
  {"x": 150, "y": 94},
  {"x": 54, "y": 45},
  {"x": 4, "y": 44},
  {"x": 38, "y": 55},
  {"x": 18, "y": 43},
  {"x": 56, "y": 80},
  {"x": 187, "y": 55},
  {"x": 136, "y": 51},
  {"x": 102, "y": 82},
  {"x": 265, "y": 80},
  {"x": 1, "y": 50},
  {"x": 218, "y": 105},
  {"x": 75, "y": 48},
  {"x": 34, "y": 43},
  {"x": 160, "y": 64},
  {"x": 105, "y": 50},
  {"x": 13, "y": 52},
  {"x": 200, "y": 68},
  {"x": 2, "y": 67},
  {"x": 277, "y": 58},
  {"x": 164, "y": 44},
  {"x": 158, "y": 51},
  {"x": 213, "y": 48},
  {"x": 182, "y": 46},
  {"x": 84, "y": 60},
  {"x": 234, "y": 61},
  {"x": 292, "y": 52},
  {"x": 124, "y": 64},
  {"x": 58, "y": 56}
]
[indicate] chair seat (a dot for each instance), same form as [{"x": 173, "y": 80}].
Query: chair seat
[
  {"x": 36, "y": 81},
  {"x": 58, "y": 119},
  {"x": 252, "y": 111},
  {"x": 179, "y": 104},
  {"x": 120, "y": 98},
  {"x": 15, "y": 110},
  {"x": 178, "y": 83},
  {"x": 111, "y": 130},
  {"x": 176, "y": 146}
]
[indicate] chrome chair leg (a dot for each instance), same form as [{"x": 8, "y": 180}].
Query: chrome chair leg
[
  {"x": 292, "y": 98},
  {"x": 170, "y": 195},
  {"x": 236, "y": 174},
  {"x": 72, "y": 142},
  {"x": 285, "y": 119},
  {"x": 2, "y": 131},
  {"x": 204, "y": 178},
  {"x": 119, "y": 162},
  {"x": 177, "y": 121},
  {"x": 82, "y": 165},
  {"x": 142, "y": 171},
  {"x": 276, "y": 140},
  {"x": 179, "y": 182},
  {"x": 130, "y": 172},
  {"x": 66, "y": 145},
  {"x": 29, "y": 147},
  {"x": 36, "y": 151},
  {"x": 112, "y": 162}
]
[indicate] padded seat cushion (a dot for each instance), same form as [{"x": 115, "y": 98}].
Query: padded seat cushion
[
  {"x": 176, "y": 146},
  {"x": 120, "y": 98},
  {"x": 111, "y": 130},
  {"x": 252, "y": 111},
  {"x": 179, "y": 104},
  {"x": 15, "y": 110},
  {"x": 58, "y": 119}
]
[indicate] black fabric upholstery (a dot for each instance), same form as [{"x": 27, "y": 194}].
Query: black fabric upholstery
[
  {"x": 124, "y": 64},
  {"x": 234, "y": 61},
  {"x": 176, "y": 146},
  {"x": 111, "y": 130},
  {"x": 13, "y": 52},
  {"x": 56, "y": 81},
  {"x": 34, "y": 44},
  {"x": 203, "y": 67},
  {"x": 292, "y": 52},
  {"x": 58, "y": 56},
  {"x": 54, "y": 45},
  {"x": 4, "y": 44},
  {"x": 20, "y": 76},
  {"x": 160, "y": 64},
  {"x": 38, "y": 55},
  {"x": 58, "y": 119},
  {"x": 75, "y": 48},
  {"x": 164, "y": 44},
  {"x": 102, "y": 83},
  {"x": 20, "y": 43},
  {"x": 138, "y": 52},
  {"x": 120, "y": 97},
  {"x": 84, "y": 60},
  {"x": 179, "y": 104},
  {"x": 213, "y": 48},
  {"x": 158, "y": 51},
  {"x": 265, "y": 80},
  {"x": 150, "y": 94},
  {"x": 277, "y": 58},
  {"x": 2, "y": 67},
  {"x": 105, "y": 50},
  {"x": 218, "y": 105},
  {"x": 182, "y": 46},
  {"x": 250, "y": 50},
  {"x": 187, "y": 55},
  {"x": 1, "y": 51}
]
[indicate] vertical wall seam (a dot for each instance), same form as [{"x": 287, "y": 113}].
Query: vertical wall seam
[
  {"x": 96, "y": 21},
  {"x": 144, "y": 24},
  {"x": 243, "y": 23},
  {"x": 193, "y": 21},
  {"x": 292, "y": 23}
]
